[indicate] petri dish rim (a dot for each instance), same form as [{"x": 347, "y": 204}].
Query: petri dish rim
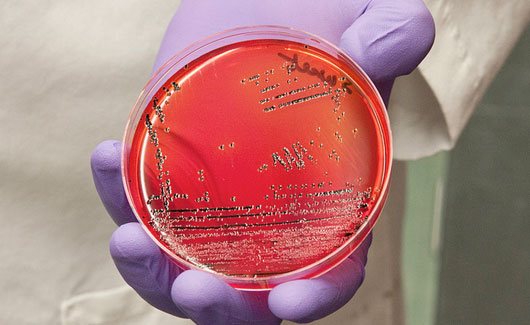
[{"x": 234, "y": 36}]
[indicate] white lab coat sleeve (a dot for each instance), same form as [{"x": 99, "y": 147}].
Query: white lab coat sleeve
[{"x": 430, "y": 108}]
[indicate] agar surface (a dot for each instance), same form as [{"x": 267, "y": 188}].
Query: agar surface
[{"x": 257, "y": 160}]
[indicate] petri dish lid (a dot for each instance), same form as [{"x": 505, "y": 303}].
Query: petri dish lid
[{"x": 260, "y": 154}]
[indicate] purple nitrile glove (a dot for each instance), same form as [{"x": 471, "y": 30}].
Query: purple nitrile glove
[{"x": 387, "y": 38}]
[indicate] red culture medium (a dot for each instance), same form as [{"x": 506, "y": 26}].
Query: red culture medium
[{"x": 259, "y": 161}]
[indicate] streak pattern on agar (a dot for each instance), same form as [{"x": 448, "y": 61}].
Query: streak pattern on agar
[{"x": 249, "y": 164}]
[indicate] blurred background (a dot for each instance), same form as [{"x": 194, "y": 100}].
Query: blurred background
[{"x": 470, "y": 262}]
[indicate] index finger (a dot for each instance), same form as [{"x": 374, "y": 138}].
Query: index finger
[{"x": 390, "y": 38}]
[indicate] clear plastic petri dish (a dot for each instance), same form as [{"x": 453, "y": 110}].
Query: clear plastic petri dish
[{"x": 260, "y": 154}]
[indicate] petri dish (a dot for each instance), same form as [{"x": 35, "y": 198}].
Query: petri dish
[{"x": 260, "y": 154}]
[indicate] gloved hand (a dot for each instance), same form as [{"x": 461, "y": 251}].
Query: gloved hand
[{"x": 387, "y": 38}]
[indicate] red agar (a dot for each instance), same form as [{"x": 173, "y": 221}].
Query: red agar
[{"x": 258, "y": 159}]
